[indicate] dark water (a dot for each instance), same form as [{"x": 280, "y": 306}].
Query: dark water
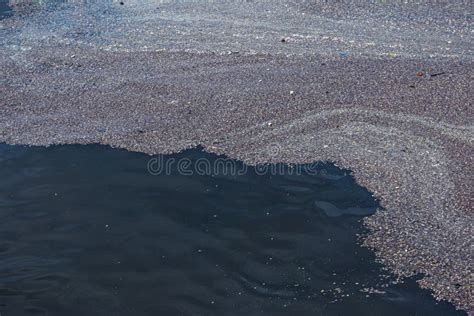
[
  {"x": 5, "y": 10},
  {"x": 27, "y": 6},
  {"x": 87, "y": 230}
]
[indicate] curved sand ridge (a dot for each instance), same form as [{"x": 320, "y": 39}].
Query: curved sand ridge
[{"x": 407, "y": 138}]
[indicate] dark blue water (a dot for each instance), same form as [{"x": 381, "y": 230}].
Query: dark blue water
[
  {"x": 25, "y": 6},
  {"x": 5, "y": 10},
  {"x": 87, "y": 230}
]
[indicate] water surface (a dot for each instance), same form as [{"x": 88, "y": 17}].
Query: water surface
[
  {"x": 342, "y": 29},
  {"x": 5, "y": 10},
  {"x": 87, "y": 230}
]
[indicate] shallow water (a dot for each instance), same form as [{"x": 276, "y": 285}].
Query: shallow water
[{"x": 88, "y": 230}]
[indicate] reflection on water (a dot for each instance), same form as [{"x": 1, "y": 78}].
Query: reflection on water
[
  {"x": 86, "y": 230},
  {"x": 5, "y": 9},
  {"x": 9, "y": 7}
]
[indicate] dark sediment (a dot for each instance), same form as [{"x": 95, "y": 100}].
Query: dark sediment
[{"x": 408, "y": 138}]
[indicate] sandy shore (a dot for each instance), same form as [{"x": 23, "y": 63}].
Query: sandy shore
[{"x": 401, "y": 122}]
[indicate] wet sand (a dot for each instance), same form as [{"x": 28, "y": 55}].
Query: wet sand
[{"x": 401, "y": 121}]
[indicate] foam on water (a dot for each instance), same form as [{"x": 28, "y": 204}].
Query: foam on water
[{"x": 247, "y": 27}]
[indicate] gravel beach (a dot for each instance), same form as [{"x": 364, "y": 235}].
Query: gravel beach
[{"x": 383, "y": 90}]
